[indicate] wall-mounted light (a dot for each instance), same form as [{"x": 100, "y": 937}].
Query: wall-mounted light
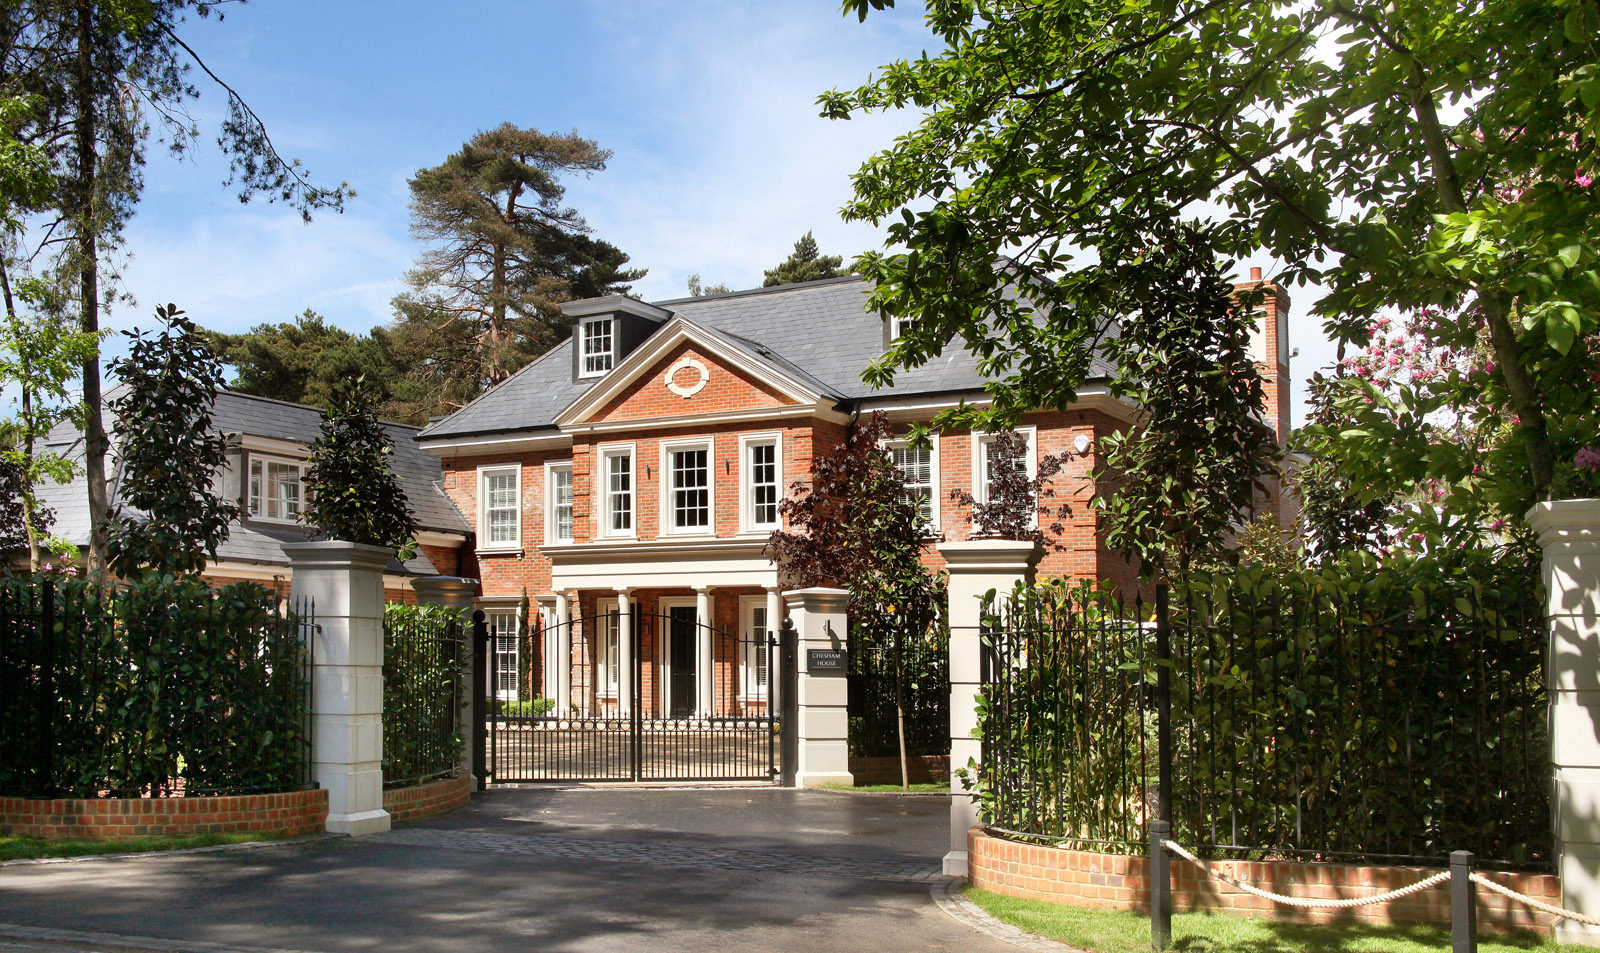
[{"x": 1080, "y": 443}]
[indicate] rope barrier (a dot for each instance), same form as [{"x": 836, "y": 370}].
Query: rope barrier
[
  {"x": 1303, "y": 902},
  {"x": 1504, "y": 891}
]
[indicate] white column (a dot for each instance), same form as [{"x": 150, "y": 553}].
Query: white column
[
  {"x": 344, "y": 582},
  {"x": 1569, "y": 533},
  {"x": 624, "y": 651},
  {"x": 774, "y": 625},
  {"x": 459, "y": 593},
  {"x": 975, "y": 567},
  {"x": 563, "y": 656},
  {"x": 822, "y": 724},
  {"x": 705, "y": 675}
]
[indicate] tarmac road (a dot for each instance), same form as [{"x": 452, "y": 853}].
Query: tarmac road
[{"x": 597, "y": 869}]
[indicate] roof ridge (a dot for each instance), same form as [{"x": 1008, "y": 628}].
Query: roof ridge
[{"x": 774, "y": 289}]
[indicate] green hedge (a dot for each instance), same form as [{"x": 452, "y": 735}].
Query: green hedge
[
  {"x": 532, "y": 708},
  {"x": 424, "y": 669},
  {"x": 161, "y": 686}
]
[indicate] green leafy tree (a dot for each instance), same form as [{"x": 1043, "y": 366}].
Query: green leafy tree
[
  {"x": 1191, "y": 468},
  {"x": 698, "y": 290},
  {"x": 1014, "y": 501},
  {"x": 806, "y": 263},
  {"x": 171, "y": 522},
  {"x": 99, "y": 75},
  {"x": 854, "y": 524},
  {"x": 303, "y": 361},
  {"x": 1366, "y": 144},
  {"x": 355, "y": 495},
  {"x": 504, "y": 252}
]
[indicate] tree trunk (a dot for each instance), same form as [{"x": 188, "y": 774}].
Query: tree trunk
[
  {"x": 86, "y": 230},
  {"x": 900, "y": 707},
  {"x": 29, "y": 525}
]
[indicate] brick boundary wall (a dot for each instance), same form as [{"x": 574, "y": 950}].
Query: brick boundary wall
[
  {"x": 425, "y": 800},
  {"x": 1120, "y": 882},
  {"x": 923, "y": 769},
  {"x": 287, "y": 814}
]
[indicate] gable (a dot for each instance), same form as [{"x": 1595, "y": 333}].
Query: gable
[{"x": 691, "y": 380}]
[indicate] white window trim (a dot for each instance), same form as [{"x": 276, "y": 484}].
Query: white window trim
[
  {"x": 747, "y": 490},
  {"x": 894, "y": 443},
  {"x": 899, "y": 327},
  {"x": 748, "y": 690},
  {"x": 602, "y": 512},
  {"x": 611, "y": 625},
  {"x": 300, "y": 466},
  {"x": 550, "y": 469},
  {"x": 664, "y": 606},
  {"x": 669, "y": 515},
  {"x": 583, "y": 358},
  {"x": 551, "y": 651},
  {"x": 980, "y": 485},
  {"x": 484, "y": 545},
  {"x": 516, "y": 651}
]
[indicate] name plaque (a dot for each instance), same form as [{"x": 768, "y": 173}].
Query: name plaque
[{"x": 825, "y": 660}]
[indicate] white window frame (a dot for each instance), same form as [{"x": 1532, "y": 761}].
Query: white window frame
[
  {"x": 256, "y": 504},
  {"x": 901, "y": 443},
  {"x": 750, "y": 666},
  {"x": 900, "y": 325},
  {"x": 980, "y": 473},
  {"x": 609, "y": 356},
  {"x": 669, "y": 512},
  {"x": 485, "y": 544},
  {"x": 608, "y": 671},
  {"x": 552, "y": 503},
  {"x": 551, "y": 652},
  {"x": 495, "y": 618},
  {"x": 603, "y": 512},
  {"x": 664, "y": 606},
  {"x": 747, "y": 489}
]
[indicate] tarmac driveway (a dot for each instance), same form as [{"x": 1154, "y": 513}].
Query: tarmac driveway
[{"x": 597, "y": 869}]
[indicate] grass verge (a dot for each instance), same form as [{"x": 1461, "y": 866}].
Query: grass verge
[
  {"x": 13, "y": 847},
  {"x": 931, "y": 787},
  {"x": 1111, "y": 931}
]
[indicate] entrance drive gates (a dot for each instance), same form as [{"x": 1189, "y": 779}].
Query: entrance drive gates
[{"x": 698, "y": 707}]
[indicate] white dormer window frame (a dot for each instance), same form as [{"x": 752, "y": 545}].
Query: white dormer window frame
[
  {"x": 903, "y": 445},
  {"x": 678, "y": 499},
  {"x": 899, "y": 326},
  {"x": 266, "y": 500},
  {"x": 750, "y": 508},
  {"x": 493, "y": 503},
  {"x": 597, "y": 345},
  {"x": 559, "y": 512}
]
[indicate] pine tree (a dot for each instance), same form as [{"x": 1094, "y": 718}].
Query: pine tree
[
  {"x": 807, "y": 263},
  {"x": 504, "y": 253},
  {"x": 303, "y": 361}
]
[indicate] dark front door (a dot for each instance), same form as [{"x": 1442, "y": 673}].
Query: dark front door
[{"x": 681, "y": 662}]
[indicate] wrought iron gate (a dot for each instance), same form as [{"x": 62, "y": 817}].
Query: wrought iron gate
[{"x": 699, "y": 705}]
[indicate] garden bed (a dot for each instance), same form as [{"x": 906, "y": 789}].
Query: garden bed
[{"x": 285, "y": 814}]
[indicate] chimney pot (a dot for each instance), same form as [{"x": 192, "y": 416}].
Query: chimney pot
[{"x": 1255, "y": 274}]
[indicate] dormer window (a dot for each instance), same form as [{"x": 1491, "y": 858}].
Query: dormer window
[
  {"x": 902, "y": 325},
  {"x": 275, "y": 493},
  {"x": 597, "y": 347}
]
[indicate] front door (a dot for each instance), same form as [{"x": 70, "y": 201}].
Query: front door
[{"x": 681, "y": 662}]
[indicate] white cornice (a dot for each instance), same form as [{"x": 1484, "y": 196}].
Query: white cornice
[
  {"x": 678, "y": 331},
  {"x": 921, "y": 406},
  {"x": 430, "y": 538},
  {"x": 613, "y": 304},
  {"x": 823, "y": 410},
  {"x": 748, "y": 547},
  {"x": 285, "y": 448},
  {"x": 506, "y": 443}
]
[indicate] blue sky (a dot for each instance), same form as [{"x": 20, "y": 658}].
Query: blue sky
[{"x": 719, "y": 158}]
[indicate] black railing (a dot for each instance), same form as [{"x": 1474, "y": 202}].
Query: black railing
[
  {"x": 160, "y": 688},
  {"x": 1301, "y": 724},
  {"x": 925, "y": 671},
  {"x": 424, "y": 658}
]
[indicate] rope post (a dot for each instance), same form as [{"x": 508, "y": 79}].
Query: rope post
[
  {"x": 1160, "y": 887},
  {"x": 1463, "y": 904}
]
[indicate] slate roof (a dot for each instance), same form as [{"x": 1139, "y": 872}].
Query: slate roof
[
  {"x": 819, "y": 330},
  {"x": 257, "y": 542}
]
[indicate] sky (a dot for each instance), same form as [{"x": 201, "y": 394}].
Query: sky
[{"x": 719, "y": 159}]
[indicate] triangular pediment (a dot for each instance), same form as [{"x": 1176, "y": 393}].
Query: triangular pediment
[{"x": 685, "y": 370}]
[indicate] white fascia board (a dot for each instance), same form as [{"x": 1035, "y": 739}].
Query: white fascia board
[
  {"x": 285, "y": 448},
  {"x": 664, "y": 564},
  {"x": 431, "y": 538},
  {"x": 613, "y": 304},
  {"x": 678, "y": 331},
  {"x": 915, "y": 407},
  {"x": 505, "y": 443},
  {"x": 255, "y": 571},
  {"x": 821, "y": 409}
]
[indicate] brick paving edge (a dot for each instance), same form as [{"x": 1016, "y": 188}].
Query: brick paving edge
[
  {"x": 136, "y": 854},
  {"x": 948, "y": 897}
]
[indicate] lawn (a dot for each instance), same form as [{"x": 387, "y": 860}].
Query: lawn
[
  {"x": 13, "y": 847},
  {"x": 930, "y": 787},
  {"x": 1106, "y": 931}
]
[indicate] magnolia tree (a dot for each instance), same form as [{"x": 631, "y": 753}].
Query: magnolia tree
[
  {"x": 355, "y": 495},
  {"x": 854, "y": 524}
]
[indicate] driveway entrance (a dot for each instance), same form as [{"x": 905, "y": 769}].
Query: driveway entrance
[{"x": 588, "y": 871}]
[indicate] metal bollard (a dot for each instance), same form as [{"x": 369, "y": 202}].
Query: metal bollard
[
  {"x": 1463, "y": 904},
  {"x": 1160, "y": 887}
]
